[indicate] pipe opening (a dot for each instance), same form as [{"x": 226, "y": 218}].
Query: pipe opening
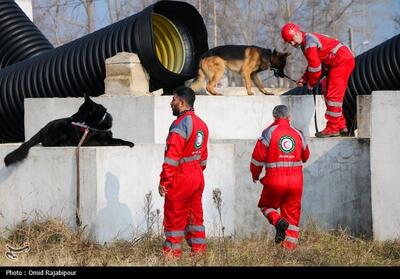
[{"x": 168, "y": 43}]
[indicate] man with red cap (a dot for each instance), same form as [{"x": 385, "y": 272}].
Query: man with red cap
[
  {"x": 281, "y": 149},
  {"x": 337, "y": 60},
  {"x": 182, "y": 180}
]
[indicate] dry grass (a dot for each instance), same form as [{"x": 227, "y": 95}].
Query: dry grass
[{"x": 53, "y": 244}]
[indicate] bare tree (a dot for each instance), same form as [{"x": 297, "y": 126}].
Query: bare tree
[
  {"x": 250, "y": 22},
  {"x": 396, "y": 19}
]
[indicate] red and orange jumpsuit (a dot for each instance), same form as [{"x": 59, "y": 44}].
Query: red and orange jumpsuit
[
  {"x": 185, "y": 159},
  {"x": 282, "y": 150},
  {"x": 325, "y": 53}
]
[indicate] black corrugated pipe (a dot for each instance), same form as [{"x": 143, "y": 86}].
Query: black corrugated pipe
[
  {"x": 376, "y": 69},
  {"x": 168, "y": 37},
  {"x": 19, "y": 37}
]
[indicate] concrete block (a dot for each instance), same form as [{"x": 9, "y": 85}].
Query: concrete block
[
  {"x": 125, "y": 75},
  {"x": 147, "y": 119},
  {"x": 26, "y": 6},
  {"x": 42, "y": 186},
  {"x": 113, "y": 184},
  {"x": 364, "y": 116},
  {"x": 336, "y": 193},
  {"x": 385, "y": 150}
]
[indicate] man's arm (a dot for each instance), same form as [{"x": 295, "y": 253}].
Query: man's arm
[
  {"x": 305, "y": 154},
  {"x": 172, "y": 155},
  {"x": 314, "y": 68},
  {"x": 257, "y": 159},
  {"x": 203, "y": 159}
]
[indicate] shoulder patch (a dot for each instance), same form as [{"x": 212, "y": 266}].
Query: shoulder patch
[{"x": 198, "y": 143}]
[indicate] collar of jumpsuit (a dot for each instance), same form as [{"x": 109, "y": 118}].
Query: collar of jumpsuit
[
  {"x": 282, "y": 121},
  {"x": 186, "y": 111}
]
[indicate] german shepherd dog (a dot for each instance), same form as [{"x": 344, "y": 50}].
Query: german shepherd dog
[
  {"x": 245, "y": 60},
  {"x": 69, "y": 131}
]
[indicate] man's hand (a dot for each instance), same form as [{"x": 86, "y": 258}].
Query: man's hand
[
  {"x": 300, "y": 82},
  {"x": 162, "y": 190}
]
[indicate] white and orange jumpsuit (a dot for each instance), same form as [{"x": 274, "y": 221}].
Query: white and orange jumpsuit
[
  {"x": 185, "y": 159},
  {"x": 328, "y": 54},
  {"x": 281, "y": 149}
]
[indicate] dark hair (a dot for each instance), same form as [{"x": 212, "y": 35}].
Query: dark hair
[{"x": 186, "y": 94}]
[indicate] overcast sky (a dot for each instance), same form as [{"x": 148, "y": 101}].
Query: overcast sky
[{"x": 380, "y": 20}]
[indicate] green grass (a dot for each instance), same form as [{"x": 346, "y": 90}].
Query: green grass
[{"x": 53, "y": 244}]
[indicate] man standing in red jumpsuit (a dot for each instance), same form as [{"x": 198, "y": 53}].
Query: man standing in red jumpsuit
[
  {"x": 328, "y": 54},
  {"x": 282, "y": 149},
  {"x": 182, "y": 180}
]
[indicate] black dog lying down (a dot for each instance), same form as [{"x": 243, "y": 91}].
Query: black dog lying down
[{"x": 69, "y": 131}]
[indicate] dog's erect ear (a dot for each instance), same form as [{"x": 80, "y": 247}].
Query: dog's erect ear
[{"x": 274, "y": 52}]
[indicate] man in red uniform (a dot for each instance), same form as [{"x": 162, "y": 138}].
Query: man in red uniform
[
  {"x": 328, "y": 54},
  {"x": 282, "y": 149},
  {"x": 182, "y": 180}
]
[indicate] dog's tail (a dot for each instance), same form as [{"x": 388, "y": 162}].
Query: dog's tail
[
  {"x": 198, "y": 83},
  {"x": 22, "y": 151}
]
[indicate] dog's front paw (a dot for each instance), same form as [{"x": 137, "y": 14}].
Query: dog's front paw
[
  {"x": 250, "y": 93},
  {"x": 268, "y": 93}
]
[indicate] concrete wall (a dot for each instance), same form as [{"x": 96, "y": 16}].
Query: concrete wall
[
  {"x": 338, "y": 191},
  {"x": 43, "y": 186},
  {"x": 337, "y": 187},
  {"x": 385, "y": 150},
  {"x": 113, "y": 181},
  {"x": 147, "y": 119},
  {"x": 364, "y": 116}
]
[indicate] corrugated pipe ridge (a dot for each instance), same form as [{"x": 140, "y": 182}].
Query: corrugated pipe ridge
[
  {"x": 19, "y": 37},
  {"x": 376, "y": 69},
  {"x": 79, "y": 66}
]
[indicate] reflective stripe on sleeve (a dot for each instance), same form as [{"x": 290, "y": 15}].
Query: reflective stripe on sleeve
[
  {"x": 314, "y": 69},
  {"x": 257, "y": 163},
  {"x": 171, "y": 162}
]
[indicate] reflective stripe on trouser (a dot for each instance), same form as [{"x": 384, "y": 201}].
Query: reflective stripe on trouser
[
  {"x": 183, "y": 210},
  {"x": 334, "y": 115},
  {"x": 291, "y": 238},
  {"x": 271, "y": 214},
  {"x": 336, "y": 81},
  {"x": 195, "y": 236},
  {"x": 283, "y": 192},
  {"x": 172, "y": 244}
]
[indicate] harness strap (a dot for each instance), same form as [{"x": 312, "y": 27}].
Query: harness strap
[{"x": 84, "y": 127}]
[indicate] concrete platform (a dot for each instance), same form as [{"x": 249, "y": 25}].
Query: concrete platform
[
  {"x": 115, "y": 181},
  {"x": 146, "y": 119}
]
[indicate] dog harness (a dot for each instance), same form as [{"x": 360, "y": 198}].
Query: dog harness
[{"x": 84, "y": 126}]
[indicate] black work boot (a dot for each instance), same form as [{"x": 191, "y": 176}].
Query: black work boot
[
  {"x": 281, "y": 227},
  {"x": 344, "y": 132}
]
